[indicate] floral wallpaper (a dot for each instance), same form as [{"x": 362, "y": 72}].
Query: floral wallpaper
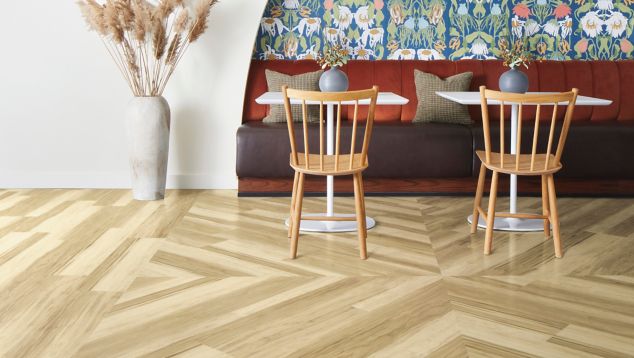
[{"x": 447, "y": 29}]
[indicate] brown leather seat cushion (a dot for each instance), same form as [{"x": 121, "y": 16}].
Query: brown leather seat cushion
[
  {"x": 397, "y": 150},
  {"x": 594, "y": 150}
]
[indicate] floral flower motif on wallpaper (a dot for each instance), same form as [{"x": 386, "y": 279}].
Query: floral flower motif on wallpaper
[
  {"x": 477, "y": 27},
  {"x": 294, "y": 29},
  {"x": 453, "y": 29},
  {"x": 547, "y": 25},
  {"x": 290, "y": 29},
  {"x": 357, "y": 25},
  {"x": 416, "y": 30},
  {"x": 604, "y": 29}
]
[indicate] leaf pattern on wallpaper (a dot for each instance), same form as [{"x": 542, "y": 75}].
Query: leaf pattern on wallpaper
[
  {"x": 361, "y": 22},
  {"x": 477, "y": 27},
  {"x": 453, "y": 29},
  {"x": 416, "y": 30}
]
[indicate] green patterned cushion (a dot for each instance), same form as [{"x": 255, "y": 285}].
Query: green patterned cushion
[
  {"x": 433, "y": 108},
  {"x": 305, "y": 81}
]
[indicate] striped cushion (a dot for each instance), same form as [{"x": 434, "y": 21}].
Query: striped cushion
[
  {"x": 433, "y": 108},
  {"x": 305, "y": 81}
]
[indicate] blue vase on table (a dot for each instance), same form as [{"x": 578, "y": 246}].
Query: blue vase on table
[
  {"x": 333, "y": 80},
  {"x": 514, "y": 81}
]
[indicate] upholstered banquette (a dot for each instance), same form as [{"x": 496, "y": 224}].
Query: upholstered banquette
[{"x": 408, "y": 157}]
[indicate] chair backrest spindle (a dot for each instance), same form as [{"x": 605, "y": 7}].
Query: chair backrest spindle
[
  {"x": 369, "y": 125},
  {"x": 353, "y": 139},
  {"x": 305, "y": 125},
  {"x": 535, "y": 135},
  {"x": 291, "y": 129},
  {"x": 485, "y": 123},
  {"x": 551, "y": 135},
  {"x": 570, "y": 109}
]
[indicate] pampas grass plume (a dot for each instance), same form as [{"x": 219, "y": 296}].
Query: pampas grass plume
[{"x": 202, "y": 12}]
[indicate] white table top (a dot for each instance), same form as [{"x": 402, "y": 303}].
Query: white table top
[
  {"x": 384, "y": 98},
  {"x": 474, "y": 98}
]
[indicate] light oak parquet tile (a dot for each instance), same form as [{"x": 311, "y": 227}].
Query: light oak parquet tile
[
  {"x": 202, "y": 351},
  {"x": 93, "y": 273}
]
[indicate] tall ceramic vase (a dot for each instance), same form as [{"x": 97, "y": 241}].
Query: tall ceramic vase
[{"x": 148, "y": 127}]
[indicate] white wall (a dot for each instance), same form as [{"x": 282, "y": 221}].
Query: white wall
[{"x": 62, "y": 100}]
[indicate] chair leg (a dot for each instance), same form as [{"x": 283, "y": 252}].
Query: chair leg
[
  {"x": 545, "y": 205},
  {"x": 361, "y": 224},
  {"x": 478, "y": 199},
  {"x": 297, "y": 215},
  {"x": 488, "y": 237},
  {"x": 293, "y": 195},
  {"x": 554, "y": 216},
  {"x": 362, "y": 191}
]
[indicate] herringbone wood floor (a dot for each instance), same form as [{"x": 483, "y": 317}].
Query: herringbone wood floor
[{"x": 91, "y": 273}]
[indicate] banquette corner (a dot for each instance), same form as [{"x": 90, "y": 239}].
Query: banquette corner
[{"x": 422, "y": 158}]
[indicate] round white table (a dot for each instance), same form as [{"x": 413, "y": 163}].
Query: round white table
[
  {"x": 384, "y": 98},
  {"x": 513, "y": 224}
]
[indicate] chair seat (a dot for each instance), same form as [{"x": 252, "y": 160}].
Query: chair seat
[
  {"x": 314, "y": 167},
  {"x": 509, "y": 166}
]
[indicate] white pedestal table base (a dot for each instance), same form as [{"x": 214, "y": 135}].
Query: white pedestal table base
[
  {"x": 332, "y": 226},
  {"x": 511, "y": 224}
]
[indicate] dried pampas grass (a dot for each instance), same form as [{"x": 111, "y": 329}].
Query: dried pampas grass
[
  {"x": 181, "y": 22},
  {"x": 142, "y": 19},
  {"x": 158, "y": 38},
  {"x": 200, "y": 25},
  {"x": 172, "y": 51},
  {"x": 94, "y": 15},
  {"x": 113, "y": 23},
  {"x": 147, "y": 41}
]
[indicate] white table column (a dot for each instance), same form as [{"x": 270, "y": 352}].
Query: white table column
[
  {"x": 330, "y": 150},
  {"x": 513, "y": 188}
]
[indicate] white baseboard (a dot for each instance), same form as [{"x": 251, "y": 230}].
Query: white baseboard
[
  {"x": 108, "y": 180},
  {"x": 201, "y": 181}
]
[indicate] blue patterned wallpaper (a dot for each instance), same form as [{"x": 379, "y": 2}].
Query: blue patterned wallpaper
[{"x": 447, "y": 29}]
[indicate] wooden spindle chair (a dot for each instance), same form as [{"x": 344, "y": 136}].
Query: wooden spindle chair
[
  {"x": 319, "y": 163},
  {"x": 544, "y": 164}
]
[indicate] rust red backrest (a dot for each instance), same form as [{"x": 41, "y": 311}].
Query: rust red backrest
[
  {"x": 612, "y": 80},
  {"x": 385, "y": 74}
]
